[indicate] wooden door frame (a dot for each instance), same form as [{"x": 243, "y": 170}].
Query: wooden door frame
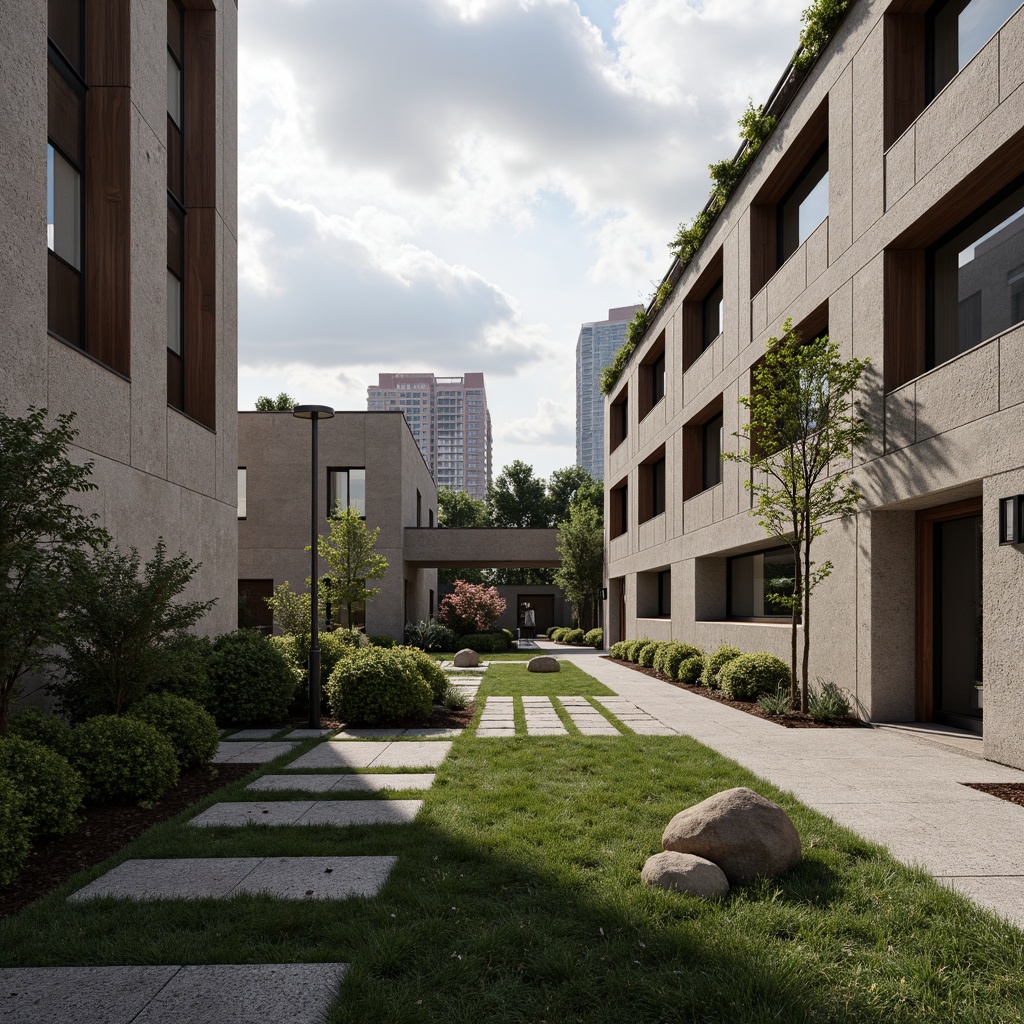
[{"x": 925, "y": 599}]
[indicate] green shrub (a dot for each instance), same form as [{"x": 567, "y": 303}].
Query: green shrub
[
  {"x": 714, "y": 663},
  {"x": 636, "y": 646},
  {"x": 53, "y": 790},
  {"x": 618, "y": 650},
  {"x": 430, "y": 636},
  {"x": 691, "y": 669},
  {"x": 775, "y": 703},
  {"x": 14, "y": 831},
  {"x": 432, "y": 673},
  {"x": 508, "y": 635},
  {"x": 122, "y": 760},
  {"x": 573, "y": 636},
  {"x": 645, "y": 653},
  {"x": 381, "y": 640},
  {"x": 185, "y": 671},
  {"x": 748, "y": 676},
  {"x": 190, "y": 728},
  {"x": 252, "y": 679},
  {"x": 829, "y": 703},
  {"x": 484, "y": 643},
  {"x": 557, "y": 634},
  {"x": 31, "y": 723},
  {"x": 374, "y": 685},
  {"x": 550, "y": 630},
  {"x": 454, "y": 699},
  {"x": 672, "y": 655},
  {"x": 594, "y": 638}
]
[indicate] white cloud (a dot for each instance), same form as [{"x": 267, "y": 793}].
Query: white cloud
[{"x": 552, "y": 424}]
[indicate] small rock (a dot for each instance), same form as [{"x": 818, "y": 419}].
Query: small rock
[
  {"x": 543, "y": 663},
  {"x": 742, "y": 832},
  {"x": 467, "y": 658},
  {"x": 683, "y": 872}
]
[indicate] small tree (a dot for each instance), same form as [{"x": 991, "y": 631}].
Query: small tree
[
  {"x": 471, "y": 608},
  {"x": 123, "y": 625},
  {"x": 283, "y": 403},
  {"x": 803, "y": 428},
  {"x": 349, "y": 551},
  {"x": 292, "y": 612},
  {"x": 581, "y": 574},
  {"x": 39, "y": 531},
  {"x": 571, "y": 486}
]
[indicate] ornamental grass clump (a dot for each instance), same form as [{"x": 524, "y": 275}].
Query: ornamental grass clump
[
  {"x": 430, "y": 636},
  {"x": 52, "y": 789},
  {"x": 777, "y": 703},
  {"x": 829, "y": 703},
  {"x": 190, "y": 728},
  {"x": 748, "y": 676},
  {"x": 373, "y": 686}
]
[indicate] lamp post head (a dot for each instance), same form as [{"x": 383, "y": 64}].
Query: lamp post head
[{"x": 309, "y": 412}]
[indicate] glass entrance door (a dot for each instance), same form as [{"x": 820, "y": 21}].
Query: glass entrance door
[{"x": 958, "y": 623}]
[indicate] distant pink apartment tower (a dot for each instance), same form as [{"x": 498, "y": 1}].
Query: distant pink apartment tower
[{"x": 448, "y": 417}]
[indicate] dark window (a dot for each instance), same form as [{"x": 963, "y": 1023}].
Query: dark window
[
  {"x": 430, "y": 518},
  {"x": 658, "y": 379},
  {"x": 711, "y": 315},
  {"x": 658, "y": 487},
  {"x": 618, "y": 508},
  {"x": 651, "y": 480},
  {"x": 618, "y": 427},
  {"x": 804, "y": 207},
  {"x": 430, "y": 606},
  {"x": 651, "y": 377},
  {"x": 761, "y": 585},
  {"x": 346, "y": 488},
  {"x": 957, "y": 30},
  {"x": 419, "y": 509},
  {"x": 665, "y": 593},
  {"x": 976, "y": 279},
  {"x": 711, "y": 452},
  {"x": 253, "y": 610},
  {"x": 65, "y": 160}
]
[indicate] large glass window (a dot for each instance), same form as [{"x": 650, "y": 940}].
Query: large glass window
[
  {"x": 804, "y": 207},
  {"x": 761, "y": 585},
  {"x": 711, "y": 315},
  {"x": 346, "y": 488},
  {"x": 958, "y": 30},
  {"x": 977, "y": 280}
]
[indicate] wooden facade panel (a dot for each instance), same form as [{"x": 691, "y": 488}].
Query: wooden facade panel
[
  {"x": 904, "y": 316},
  {"x": 904, "y": 73},
  {"x": 108, "y": 42},
  {"x": 201, "y": 316},
  {"x": 201, "y": 108}
]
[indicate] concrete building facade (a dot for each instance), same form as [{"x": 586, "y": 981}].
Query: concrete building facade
[
  {"x": 595, "y": 348},
  {"x": 884, "y": 209},
  {"x": 119, "y": 135},
  {"x": 448, "y": 416},
  {"x": 369, "y": 460}
]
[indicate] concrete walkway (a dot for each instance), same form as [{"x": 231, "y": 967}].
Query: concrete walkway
[{"x": 891, "y": 787}]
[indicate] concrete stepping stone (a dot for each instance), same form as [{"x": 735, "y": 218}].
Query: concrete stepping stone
[
  {"x": 375, "y": 753},
  {"x": 495, "y": 734},
  {"x": 288, "y": 878},
  {"x": 308, "y": 734},
  {"x": 652, "y": 728},
  {"x": 250, "y": 752},
  {"x": 253, "y": 734},
  {"x": 301, "y": 812},
  {"x": 343, "y": 783},
  {"x": 201, "y": 994},
  {"x": 433, "y": 733},
  {"x": 588, "y": 719},
  {"x": 368, "y": 734},
  {"x": 541, "y": 718}
]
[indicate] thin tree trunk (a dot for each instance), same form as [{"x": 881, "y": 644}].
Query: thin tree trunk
[
  {"x": 797, "y": 594},
  {"x": 807, "y": 625}
]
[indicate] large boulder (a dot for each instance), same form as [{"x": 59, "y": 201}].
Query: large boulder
[
  {"x": 683, "y": 872},
  {"x": 741, "y": 831},
  {"x": 543, "y": 663},
  {"x": 466, "y": 659}
]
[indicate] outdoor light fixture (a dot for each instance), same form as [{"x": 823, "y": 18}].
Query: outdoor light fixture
[
  {"x": 1011, "y": 520},
  {"x": 604, "y": 593},
  {"x": 314, "y": 413}
]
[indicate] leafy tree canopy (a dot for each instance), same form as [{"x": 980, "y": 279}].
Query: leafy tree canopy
[
  {"x": 457, "y": 509},
  {"x": 517, "y": 498},
  {"x": 283, "y": 403},
  {"x": 581, "y": 574},
  {"x": 570, "y": 485}
]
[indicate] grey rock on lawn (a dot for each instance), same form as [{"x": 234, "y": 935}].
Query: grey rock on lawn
[
  {"x": 742, "y": 832},
  {"x": 466, "y": 659},
  {"x": 543, "y": 663},
  {"x": 683, "y": 872}
]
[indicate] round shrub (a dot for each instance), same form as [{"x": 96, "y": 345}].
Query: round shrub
[
  {"x": 42, "y": 727},
  {"x": 714, "y": 663},
  {"x": 645, "y": 653},
  {"x": 381, "y": 640},
  {"x": 53, "y": 790},
  {"x": 691, "y": 670},
  {"x": 573, "y": 636},
  {"x": 636, "y": 646},
  {"x": 594, "y": 638},
  {"x": 671, "y": 656},
  {"x": 190, "y": 728},
  {"x": 375, "y": 685},
  {"x": 252, "y": 679},
  {"x": 618, "y": 650},
  {"x": 748, "y": 676},
  {"x": 550, "y": 630},
  {"x": 122, "y": 760},
  {"x": 14, "y": 831},
  {"x": 431, "y": 672},
  {"x": 557, "y": 633}
]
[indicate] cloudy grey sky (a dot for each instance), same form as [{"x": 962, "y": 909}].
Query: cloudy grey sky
[{"x": 456, "y": 185}]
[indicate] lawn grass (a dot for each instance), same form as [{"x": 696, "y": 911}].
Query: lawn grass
[
  {"x": 517, "y": 898},
  {"x": 519, "y": 681}
]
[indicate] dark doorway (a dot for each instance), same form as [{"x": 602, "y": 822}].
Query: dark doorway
[
  {"x": 950, "y": 609},
  {"x": 253, "y": 610},
  {"x": 543, "y": 606}
]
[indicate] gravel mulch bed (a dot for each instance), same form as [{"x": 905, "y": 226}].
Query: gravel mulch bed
[
  {"x": 793, "y": 720},
  {"x": 104, "y": 831},
  {"x": 1012, "y": 791}
]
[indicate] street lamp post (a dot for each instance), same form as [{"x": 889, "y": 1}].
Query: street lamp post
[{"x": 314, "y": 413}]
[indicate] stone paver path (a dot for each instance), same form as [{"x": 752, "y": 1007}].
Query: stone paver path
[
  {"x": 376, "y": 754},
  {"x": 542, "y": 718},
  {"x": 418, "y": 733},
  {"x": 587, "y": 718},
  {"x": 498, "y": 718},
  {"x": 253, "y": 734},
  {"x": 343, "y": 783},
  {"x": 635, "y": 718},
  {"x": 286, "y": 878},
  {"x": 250, "y": 752},
  {"x": 211, "y": 994},
  {"x": 303, "y": 812}
]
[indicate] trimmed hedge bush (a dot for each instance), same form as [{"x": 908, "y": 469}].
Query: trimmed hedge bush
[
  {"x": 749, "y": 676},
  {"x": 381, "y": 640},
  {"x": 550, "y": 630},
  {"x": 190, "y": 728},
  {"x": 122, "y": 760},
  {"x": 484, "y": 643},
  {"x": 714, "y": 663},
  {"x": 594, "y": 638},
  {"x": 557, "y": 633},
  {"x": 252, "y": 679},
  {"x": 618, "y": 650},
  {"x": 646, "y": 651},
  {"x": 634, "y": 647},
  {"x": 432, "y": 673},
  {"x": 41, "y": 727},
  {"x": 14, "y": 833},
  {"x": 671, "y": 656},
  {"x": 691, "y": 670},
  {"x": 374, "y": 685},
  {"x": 52, "y": 789},
  {"x": 573, "y": 636}
]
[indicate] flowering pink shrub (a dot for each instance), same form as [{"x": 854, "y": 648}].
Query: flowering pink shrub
[{"x": 472, "y": 608}]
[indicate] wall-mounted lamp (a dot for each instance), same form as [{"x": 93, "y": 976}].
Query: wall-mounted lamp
[
  {"x": 1011, "y": 520},
  {"x": 604, "y": 593}
]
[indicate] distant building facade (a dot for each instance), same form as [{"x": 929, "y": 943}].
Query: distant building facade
[
  {"x": 448, "y": 417},
  {"x": 595, "y": 349}
]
